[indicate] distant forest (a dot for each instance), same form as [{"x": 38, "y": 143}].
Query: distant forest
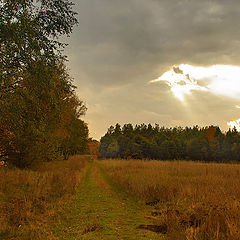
[{"x": 155, "y": 142}]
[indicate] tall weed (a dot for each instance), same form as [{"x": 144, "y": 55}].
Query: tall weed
[{"x": 28, "y": 198}]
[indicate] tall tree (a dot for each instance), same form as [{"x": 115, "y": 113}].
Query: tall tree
[{"x": 39, "y": 111}]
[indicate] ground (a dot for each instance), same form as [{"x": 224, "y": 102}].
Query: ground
[{"x": 102, "y": 210}]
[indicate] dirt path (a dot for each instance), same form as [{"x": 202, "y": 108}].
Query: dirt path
[{"x": 102, "y": 211}]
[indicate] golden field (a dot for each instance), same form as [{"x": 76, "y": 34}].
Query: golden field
[
  {"x": 30, "y": 198},
  {"x": 194, "y": 200}
]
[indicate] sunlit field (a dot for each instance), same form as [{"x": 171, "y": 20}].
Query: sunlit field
[
  {"x": 29, "y": 198},
  {"x": 194, "y": 200}
]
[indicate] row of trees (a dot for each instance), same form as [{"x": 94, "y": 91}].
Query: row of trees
[
  {"x": 154, "y": 142},
  {"x": 39, "y": 110}
]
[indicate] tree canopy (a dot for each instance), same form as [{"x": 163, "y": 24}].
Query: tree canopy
[{"x": 29, "y": 32}]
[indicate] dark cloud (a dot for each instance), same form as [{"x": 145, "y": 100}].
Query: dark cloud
[
  {"x": 177, "y": 70},
  {"x": 119, "y": 46}
]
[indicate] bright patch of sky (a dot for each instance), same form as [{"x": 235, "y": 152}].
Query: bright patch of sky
[
  {"x": 217, "y": 79},
  {"x": 234, "y": 124}
]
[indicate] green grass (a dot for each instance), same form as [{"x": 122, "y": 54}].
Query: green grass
[{"x": 101, "y": 210}]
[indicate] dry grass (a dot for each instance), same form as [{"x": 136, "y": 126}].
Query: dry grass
[
  {"x": 194, "y": 200},
  {"x": 28, "y": 198}
]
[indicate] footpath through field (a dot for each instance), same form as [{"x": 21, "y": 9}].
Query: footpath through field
[{"x": 100, "y": 210}]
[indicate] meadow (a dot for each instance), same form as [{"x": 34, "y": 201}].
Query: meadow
[
  {"x": 29, "y": 199},
  {"x": 64, "y": 199},
  {"x": 194, "y": 200}
]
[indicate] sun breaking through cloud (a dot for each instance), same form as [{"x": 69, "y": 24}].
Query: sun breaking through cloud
[
  {"x": 181, "y": 83},
  {"x": 234, "y": 124},
  {"x": 217, "y": 79}
]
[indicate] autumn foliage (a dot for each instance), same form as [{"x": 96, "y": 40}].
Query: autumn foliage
[
  {"x": 39, "y": 110},
  {"x": 93, "y": 147}
]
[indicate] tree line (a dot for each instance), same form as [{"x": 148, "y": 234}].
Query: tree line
[
  {"x": 155, "y": 142},
  {"x": 39, "y": 109}
]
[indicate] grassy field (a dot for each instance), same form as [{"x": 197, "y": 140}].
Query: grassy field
[
  {"x": 87, "y": 199},
  {"x": 29, "y": 198},
  {"x": 69, "y": 200},
  {"x": 194, "y": 200}
]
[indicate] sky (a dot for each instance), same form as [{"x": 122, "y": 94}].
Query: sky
[{"x": 171, "y": 62}]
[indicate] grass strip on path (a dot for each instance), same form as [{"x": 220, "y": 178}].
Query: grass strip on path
[{"x": 102, "y": 211}]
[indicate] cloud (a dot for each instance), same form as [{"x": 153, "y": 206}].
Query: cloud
[
  {"x": 221, "y": 80},
  {"x": 120, "y": 45},
  {"x": 123, "y": 41},
  {"x": 181, "y": 83}
]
